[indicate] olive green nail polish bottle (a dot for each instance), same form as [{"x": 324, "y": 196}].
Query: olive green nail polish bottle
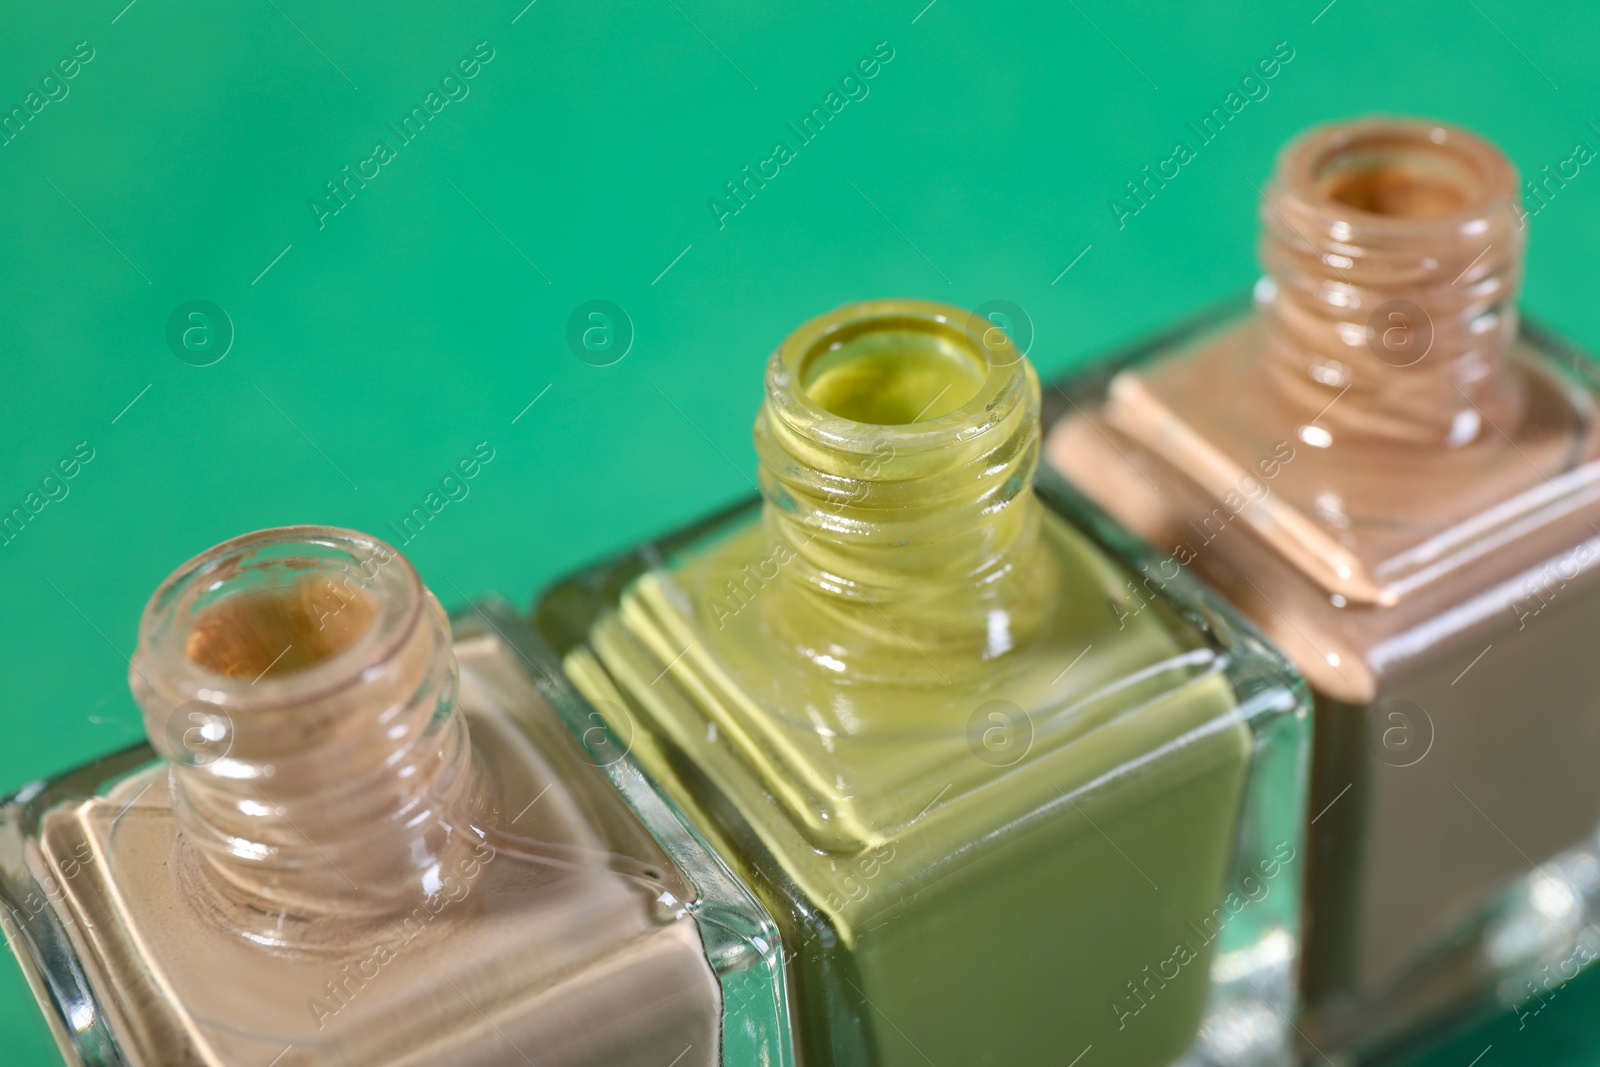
[{"x": 1010, "y": 789}]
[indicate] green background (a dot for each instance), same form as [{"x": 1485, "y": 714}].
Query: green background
[{"x": 426, "y": 315}]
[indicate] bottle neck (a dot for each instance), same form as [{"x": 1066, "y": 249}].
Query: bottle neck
[
  {"x": 897, "y": 446},
  {"x": 301, "y": 684},
  {"x": 1393, "y": 254}
]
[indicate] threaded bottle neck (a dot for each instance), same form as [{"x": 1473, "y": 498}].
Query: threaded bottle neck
[
  {"x": 1393, "y": 252},
  {"x": 301, "y": 684},
  {"x": 897, "y": 445}
]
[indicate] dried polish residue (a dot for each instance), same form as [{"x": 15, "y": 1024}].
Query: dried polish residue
[
  {"x": 279, "y": 630},
  {"x": 1399, "y": 179}
]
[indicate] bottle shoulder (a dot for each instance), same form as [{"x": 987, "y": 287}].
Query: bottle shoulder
[
  {"x": 836, "y": 770},
  {"x": 1367, "y": 545}
]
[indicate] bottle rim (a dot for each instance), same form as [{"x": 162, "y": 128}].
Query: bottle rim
[
  {"x": 1484, "y": 176},
  {"x": 161, "y": 659},
  {"x": 986, "y": 344}
]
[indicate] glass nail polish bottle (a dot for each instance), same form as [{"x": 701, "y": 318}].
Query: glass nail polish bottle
[
  {"x": 1007, "y": 798},
  {"x": 1400, "y": 485},
  {"x": 362, "y": 839}
]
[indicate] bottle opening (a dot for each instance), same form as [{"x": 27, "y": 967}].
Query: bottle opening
[
  {"x": 1401, "y": 177},
  {"x": 898, "y": 442},
  {"x": 300, "y": 683},
  {"x": 893, "y": 372},
  {"x": 303, "y": 607},
  {"x": 282, "y": 620},
  {"x": 1395, "y": 250}
]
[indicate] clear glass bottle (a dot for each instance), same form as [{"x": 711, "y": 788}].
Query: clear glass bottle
[
  {"x": 1399, "y": 483},
  {"x": 1007, "y": 799},
  {"x": 360, "y": 839}
]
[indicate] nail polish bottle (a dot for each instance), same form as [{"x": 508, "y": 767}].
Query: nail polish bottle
[
  {"x": 1398, "y": 482},
  {"x": 358, "y": 837},
  {"x": 1008, "y": 795}
]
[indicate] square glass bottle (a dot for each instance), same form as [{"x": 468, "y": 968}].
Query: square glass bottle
[
  {"x": 1007, "y": 799},
  {"x": 1400, "y": 484},
  {"x": 362, "y": 838}
]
